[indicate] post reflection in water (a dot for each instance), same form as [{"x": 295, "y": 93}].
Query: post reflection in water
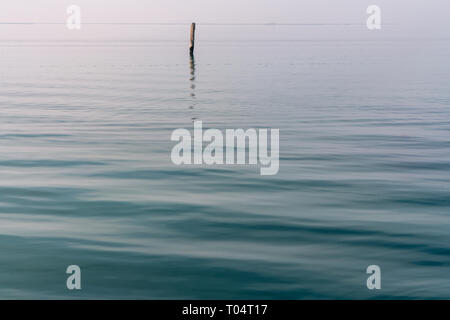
[{"x": 192, "y": 82}]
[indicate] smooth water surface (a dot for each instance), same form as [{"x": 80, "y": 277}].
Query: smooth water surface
[{"x": 86, "y": 176}]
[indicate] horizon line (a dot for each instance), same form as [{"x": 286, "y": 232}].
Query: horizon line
[{"x": 187, "y": 23}]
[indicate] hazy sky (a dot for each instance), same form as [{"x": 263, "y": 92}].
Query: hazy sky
[
  {"x": 429, "y": 17},
  {"x": 222, "y": 10}
]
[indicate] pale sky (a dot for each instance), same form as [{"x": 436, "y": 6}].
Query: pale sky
[
  {"x": 227, "y": 11},
  {"x": 427, "y": 17}
]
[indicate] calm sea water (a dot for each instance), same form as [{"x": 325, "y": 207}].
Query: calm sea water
[{"x": 86, "y": 176}]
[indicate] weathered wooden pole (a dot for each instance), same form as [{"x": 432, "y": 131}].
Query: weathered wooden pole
[{"x": 192, "y": 45}]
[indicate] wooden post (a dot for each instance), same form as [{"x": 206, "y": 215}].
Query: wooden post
[{"x": 192, "y": 45}]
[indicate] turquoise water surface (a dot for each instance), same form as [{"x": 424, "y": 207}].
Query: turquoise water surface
[{"x": 86, "y": 175}]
